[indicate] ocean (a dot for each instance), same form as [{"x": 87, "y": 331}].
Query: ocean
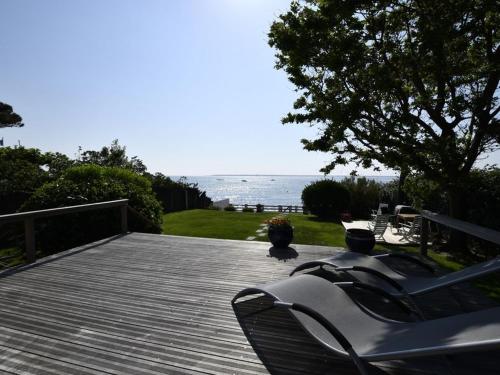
[{"x": 264, "y": 189}]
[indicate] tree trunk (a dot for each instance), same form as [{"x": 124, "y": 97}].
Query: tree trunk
[
  {"x": 457, "y": 210},
  {"x": 402, "y": 199}
]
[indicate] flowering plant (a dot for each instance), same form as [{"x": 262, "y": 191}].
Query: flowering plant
[{"x": 279, "y": 221}]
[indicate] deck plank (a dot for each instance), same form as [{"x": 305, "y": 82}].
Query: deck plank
[{"x": 152, "y": 304}]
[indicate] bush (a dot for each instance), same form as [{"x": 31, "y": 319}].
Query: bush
[
  {"x": 89, "y": 184},
  {"x": 481, "y": 202},
  {"x": 23, "y": 170},
  {"x": 326, "y": 198},
  {"x": 365, "y": 195},
  {"x": 247, "y": 209},
  {"x": 178, "y": 195},
  {"x": 259, "y": 208},
  {"x": 425, "y": 194},
  {"x": 230, "y": 207}
]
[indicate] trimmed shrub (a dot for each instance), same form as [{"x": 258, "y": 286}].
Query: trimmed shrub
[
  {"x": 89, "y": 184},
  {"x": 247, "y": 209},
  {"x": 326, "y": 198},
  {"x": 230, "y": 207}
]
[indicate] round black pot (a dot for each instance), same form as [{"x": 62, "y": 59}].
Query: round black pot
[
  {"x": 280, "y": 236},
  {"x": 360, "y": 240}
]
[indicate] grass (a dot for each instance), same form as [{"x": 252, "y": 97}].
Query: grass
[
  {"x": 18, "y": 259},
  {"x": 214, "y": 224}
]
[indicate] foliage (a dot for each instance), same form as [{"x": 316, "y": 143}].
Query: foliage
[
  {"x": 425, "y": 194},
  {"x": 247, "y": 209},
  {"x": 481, "y": 204},
  {"x": 8, "y": 118},
  {"x": 365, "y": 195},
  {"x": 112, "y": 156},
  {"x": 408, "y": 84},
  {"x": 326, "y": 198},
  {"x": 484, "y": 198},
  {"x": 23, "y": 171},
  {"x": 229, "y": 207},
  {"x": 88, "y": 184},
  {"x": 178, "y": 195},
  {"x": 259, "y": 208}
]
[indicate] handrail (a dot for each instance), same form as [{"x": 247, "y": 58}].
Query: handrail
[
  {"x": 29, "y": 219},
  {"x": 475, "y": 230},
  {"x": 20, "y": 216}
]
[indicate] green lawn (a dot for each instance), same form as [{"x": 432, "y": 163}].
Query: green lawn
[
  {"x": 213, "y": 224},
  {"x": 308, "y": 229},
  {"x": 18, "y": 259}
]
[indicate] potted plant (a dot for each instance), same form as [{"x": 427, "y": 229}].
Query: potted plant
[
  {"x": 279, "y": 231},
  {"x": 360, "y": 240}
]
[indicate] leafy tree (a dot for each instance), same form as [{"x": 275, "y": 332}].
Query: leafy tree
[
  {"x": 8, "y": 118},
  {"x": 409, "y": 84},
  {"x": 23, "y": 170},
  {"x": 113, "y": 156}
]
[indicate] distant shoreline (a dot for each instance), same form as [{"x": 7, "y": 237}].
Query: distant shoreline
[{"x": 296, "y": 175}]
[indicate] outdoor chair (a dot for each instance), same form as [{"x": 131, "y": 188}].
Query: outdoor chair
[
  {"x": 379, "y": 226},
  {"x": 411, "y": 232},
  {"x": 371, "y": 271},
  {"x": 350, "y": 331}
]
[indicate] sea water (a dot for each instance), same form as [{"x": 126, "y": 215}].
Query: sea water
[{"x": 271, "y": 190}]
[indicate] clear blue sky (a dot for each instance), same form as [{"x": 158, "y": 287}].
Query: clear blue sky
[{"x": 188, "y": 86}]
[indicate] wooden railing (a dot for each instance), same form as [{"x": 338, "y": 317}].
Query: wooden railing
[
  {"x": 30, "y": 216},
  {"x": 271, "y": 208},
  {"x": 462, "y": 226}
]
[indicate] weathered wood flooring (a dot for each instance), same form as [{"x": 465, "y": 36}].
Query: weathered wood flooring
[{"x": 150, "y": 304}]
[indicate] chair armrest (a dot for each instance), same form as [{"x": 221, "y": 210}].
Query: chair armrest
[
  {"x": 410, "y": 259},
  {"x": 376, "y": 273},
  {"x": 402, "y": 306}
]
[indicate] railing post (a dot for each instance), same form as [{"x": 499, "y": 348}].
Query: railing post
[
  {"x": 123, "y": 210},
  {"x": 424, "y": 236},
  {"x": 29, "y": 236}
]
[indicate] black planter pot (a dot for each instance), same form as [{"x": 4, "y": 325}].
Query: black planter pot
[
  {"x": 280, "y": 236},
  {"x": 360, "y": 240}
]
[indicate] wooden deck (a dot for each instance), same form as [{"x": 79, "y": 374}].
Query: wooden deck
[{"x": 151, "y": 304}]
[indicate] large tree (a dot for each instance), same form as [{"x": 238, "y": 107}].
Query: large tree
[
  {"x": 113, "y": 156},
  {"x": 410, "y": 84},
  {"x": 8, "y": 118}
]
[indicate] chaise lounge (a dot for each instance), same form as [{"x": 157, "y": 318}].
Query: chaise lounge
[
  {"x": 372, "y": 271},
  {"x": 350, "y": 331}
]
